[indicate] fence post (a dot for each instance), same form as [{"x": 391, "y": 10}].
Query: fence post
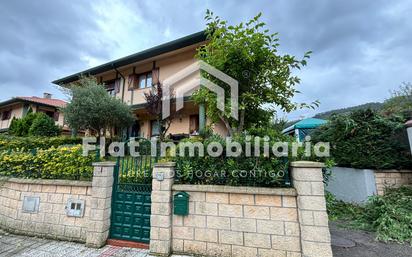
[
  {"x": 313, "y": 219},
  {"x": 100, "y": 209},
  {"x": 161, "y": 215}
]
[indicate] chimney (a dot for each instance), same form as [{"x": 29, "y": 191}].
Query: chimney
[{"x": 47, "y": 95}]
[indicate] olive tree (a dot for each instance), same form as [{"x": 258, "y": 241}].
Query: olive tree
[
  {"x": 248, "y": 52},
  {"x": 92, "y": 108}
]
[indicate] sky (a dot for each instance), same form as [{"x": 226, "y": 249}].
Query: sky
[{"x": 361, "y": 49}]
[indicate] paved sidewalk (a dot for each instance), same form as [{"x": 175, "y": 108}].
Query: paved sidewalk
[{"x": 14, "y": 245}]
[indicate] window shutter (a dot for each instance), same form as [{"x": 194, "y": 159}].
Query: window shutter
[
  {"x": 117, "y": 86},
  {"x": 155, "y": 76},
  {"x": 132, "y": 81}
]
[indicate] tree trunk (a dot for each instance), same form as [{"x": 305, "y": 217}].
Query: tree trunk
[
  {"x": 227, "y": 125},
  {"x": 241, "y": 121}
]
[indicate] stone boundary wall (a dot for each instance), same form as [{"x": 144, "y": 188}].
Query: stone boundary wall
[
  {"x": 392, "y": 178},
  {"x": 242, "y": 221},
  {"x": 51, "y": 220}
]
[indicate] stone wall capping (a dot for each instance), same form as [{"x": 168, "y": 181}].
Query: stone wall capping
[
  {"x": 307, "y": 164},
  {"x": 104, "y": 164},
  {"x": 165, "y": 164},
  {"x": 53, "y": 182},
  {"x": 393, "y": 171},
  {"x": 236, "y": 190}
]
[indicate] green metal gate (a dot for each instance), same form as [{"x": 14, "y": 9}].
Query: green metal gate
[{"x": 131, "y": 204}]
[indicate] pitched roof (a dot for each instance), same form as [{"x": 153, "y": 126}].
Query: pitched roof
[
  {"x": 35, "y": 99},
  {"x": 46, "y": 101},
  {"x": 145, "y": 54}
]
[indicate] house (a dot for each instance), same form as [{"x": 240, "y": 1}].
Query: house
[
  {"x": 302, "y": 128},
  {"x": 130, "y": 77},
  {"x": 18, "y": 107}
]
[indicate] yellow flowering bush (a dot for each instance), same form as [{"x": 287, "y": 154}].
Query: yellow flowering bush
[{"x": 53, "y": 163}]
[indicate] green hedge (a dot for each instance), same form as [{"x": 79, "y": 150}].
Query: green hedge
[
  {"x": 28, "y": 143},
  {"x": 365, "y": 139},
  {"x": 53, "y": 163},
  {"x": 231, "y": 171}
]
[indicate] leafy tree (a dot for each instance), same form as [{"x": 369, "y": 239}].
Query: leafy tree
[
  {"x": 248, "y": 53},
  {"x": 92, "y": 108},
  {"x": 401, "y": 101},
  {"x": 43, "y": 125}
]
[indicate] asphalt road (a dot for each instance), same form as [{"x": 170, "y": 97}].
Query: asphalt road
[{"x": 363, "y": 244}]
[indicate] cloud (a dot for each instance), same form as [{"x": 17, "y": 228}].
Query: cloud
[{"x": 361, "y": 49}]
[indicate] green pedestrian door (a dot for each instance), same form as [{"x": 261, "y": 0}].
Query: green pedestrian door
[{"x": 131, "y": 204}]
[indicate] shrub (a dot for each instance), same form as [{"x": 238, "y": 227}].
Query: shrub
[
  {"x": 366, "y": 139},
  {"x": 390, "y": 215},
  {"x": 28, "y": 143},
  {"x": 34, "y": 124},
  {"x": 232, "y": 171},
  {"x": 54, "y": 163},
  {"x": 21, "y": 127},
  {"x": 43, "y": 125}
]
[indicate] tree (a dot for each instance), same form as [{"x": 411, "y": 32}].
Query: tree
[
  {"x": 92, "y": 108},
  {"x": 154, "y": 100},
  {"x": 401, "y": 101},
  {"x": 248, "y": 53},
  {"x": 43, "y": 125}
]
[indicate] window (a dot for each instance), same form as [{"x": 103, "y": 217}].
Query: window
[
  {"x": 6, "y": 115},
  {"x": 155, "y": 128},
  {"x": 56, "y": 116},
  {"x": 145, "y": 80},
  {"x": 110, "y": 87}
]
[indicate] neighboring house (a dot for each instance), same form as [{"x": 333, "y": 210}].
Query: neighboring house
[
  {"x": 130, "y": 77},
  {"x": 303, "y": 128},
  {"x": 17, "y": 107}
]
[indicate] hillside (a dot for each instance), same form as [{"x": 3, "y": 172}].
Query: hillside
[{"x": 326, "y": 115}]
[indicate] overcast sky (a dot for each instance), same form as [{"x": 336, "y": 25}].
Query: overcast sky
[{"x": 361, "y": 49}]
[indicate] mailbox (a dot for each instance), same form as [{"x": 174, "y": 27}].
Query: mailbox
[{"x": 181, "y": 203}]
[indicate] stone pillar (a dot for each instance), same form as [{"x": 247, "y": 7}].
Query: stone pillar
[
  {"x": 100, "y": 209},
  {"x": 308, "y": 181},
  {"x": 161, "y": 217}
]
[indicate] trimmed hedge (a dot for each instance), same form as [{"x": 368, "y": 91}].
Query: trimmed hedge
[
  {"x": 232, "y": 171},
  {"x": 53, "y": 163},
  {"x": 367, "y": 140},
  {"x": 28, "y": 143}
]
